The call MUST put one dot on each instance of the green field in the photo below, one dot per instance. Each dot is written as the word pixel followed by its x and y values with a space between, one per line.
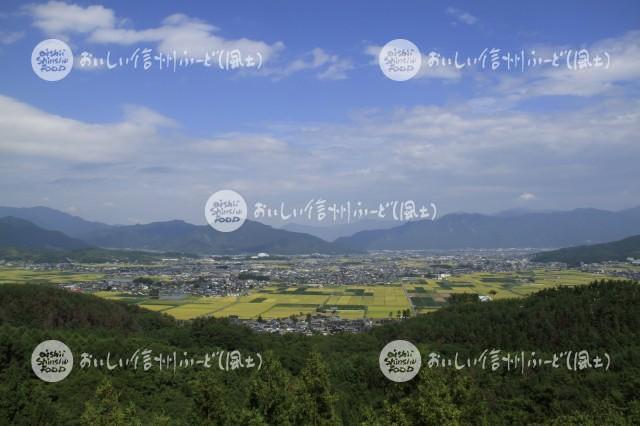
pixel 281 302
pixel 11 275
pixel 375 302
pixel 352 302
pixel 433 294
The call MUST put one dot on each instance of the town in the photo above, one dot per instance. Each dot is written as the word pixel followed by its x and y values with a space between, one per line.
pixel 425 281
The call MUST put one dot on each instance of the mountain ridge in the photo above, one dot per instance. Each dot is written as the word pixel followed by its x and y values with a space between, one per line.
pixel 54 220
pixel 529 230
pixel 20 233
pixel 179 236
pixel 595 253
pixel 543 230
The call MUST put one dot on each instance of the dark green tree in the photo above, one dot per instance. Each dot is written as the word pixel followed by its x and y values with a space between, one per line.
pixel 210 406
pixel 105 409
pixel 24 401
pixel 432 403
pixel 270 392
pixel 315 398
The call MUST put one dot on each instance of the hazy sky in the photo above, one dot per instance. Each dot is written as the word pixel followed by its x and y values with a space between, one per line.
pixel 319 119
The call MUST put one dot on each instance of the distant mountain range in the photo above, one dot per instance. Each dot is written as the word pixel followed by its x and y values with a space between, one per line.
pixel 176 235
pixel 331 232
pixel 20 233
pixel 335 231
pixel 616 250
pixel 453 231
pixel 532 230
pixel 54 220
pixel 21 240
pixel 170 236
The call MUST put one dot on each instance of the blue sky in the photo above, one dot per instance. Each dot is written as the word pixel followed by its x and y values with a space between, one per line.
pixel 319 120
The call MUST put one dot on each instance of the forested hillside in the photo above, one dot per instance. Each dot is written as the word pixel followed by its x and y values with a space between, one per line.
pixel 616 250
pixel 326 379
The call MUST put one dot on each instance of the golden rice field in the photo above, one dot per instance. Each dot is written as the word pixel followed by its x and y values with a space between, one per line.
pixel 375 302
pixel 432 294
pixel 13 275
pixel 350 302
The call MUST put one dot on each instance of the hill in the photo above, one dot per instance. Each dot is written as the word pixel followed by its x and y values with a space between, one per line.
pixel 514 229
pixel 332 378
pixel 47 307
pixel 23 241
pixel 334 231
pixel 54 220
pixel 528 230
pixel 176 235
pixel 20 233
pixel 616 250
pixel 85 255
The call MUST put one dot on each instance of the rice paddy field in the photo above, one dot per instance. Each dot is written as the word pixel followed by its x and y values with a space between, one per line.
pixel 11 275
pixel 355 302
pixel 349 302
pixel 432 294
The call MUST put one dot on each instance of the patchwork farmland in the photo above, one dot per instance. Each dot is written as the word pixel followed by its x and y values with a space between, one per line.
pixel 356 302
pixel 349 302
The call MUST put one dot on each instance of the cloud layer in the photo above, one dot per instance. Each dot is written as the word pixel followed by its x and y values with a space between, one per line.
pixel 452 155
pixel 180 34
pixel 499 145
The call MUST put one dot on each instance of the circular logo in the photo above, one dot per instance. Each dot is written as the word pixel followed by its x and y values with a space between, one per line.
pixel 400 361
pixel 226 210
pixel 52 59
pixel 400 60
pixel 52 361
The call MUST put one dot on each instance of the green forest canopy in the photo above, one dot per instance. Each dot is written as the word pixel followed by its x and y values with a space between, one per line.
pixel 326 379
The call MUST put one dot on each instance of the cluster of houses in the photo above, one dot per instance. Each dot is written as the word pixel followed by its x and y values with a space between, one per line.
pixel 309 325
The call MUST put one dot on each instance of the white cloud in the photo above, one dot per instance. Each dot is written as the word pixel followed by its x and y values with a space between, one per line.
pixel 182 33
pixel 58 18
pixel 624 54
pixel 444 72
pixel 336 70
pixel 545 80
pixel 527 196
pixel 144 116
pixel 328 66
pixel 451 155
pixel 461 16
pixel 28 131
pixel 241 143
pixel 177 32
pixel 10 37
